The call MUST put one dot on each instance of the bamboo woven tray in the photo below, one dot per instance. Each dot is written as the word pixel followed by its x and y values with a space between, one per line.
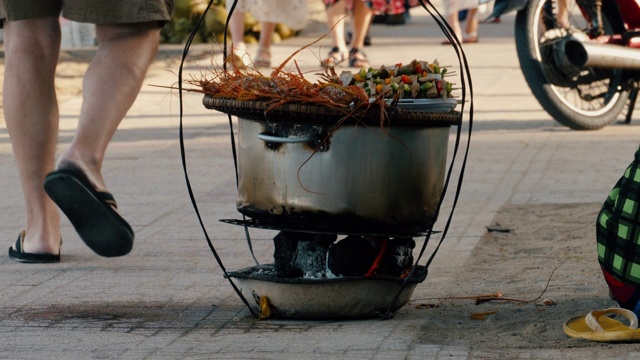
pixel 317 114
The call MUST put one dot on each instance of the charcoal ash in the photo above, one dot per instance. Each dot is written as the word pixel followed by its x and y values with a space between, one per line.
pixel 311 256
pixel 307 255
pixel 399 256
pixel 301 254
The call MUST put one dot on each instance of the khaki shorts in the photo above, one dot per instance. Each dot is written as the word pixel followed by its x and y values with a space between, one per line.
pixel 89 11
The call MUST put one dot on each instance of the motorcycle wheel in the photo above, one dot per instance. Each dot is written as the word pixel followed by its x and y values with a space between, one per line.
pixel 580 98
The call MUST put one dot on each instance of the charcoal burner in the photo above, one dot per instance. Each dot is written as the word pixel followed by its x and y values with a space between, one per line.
pixel 342 297
pixel 347 201
pixel 320 276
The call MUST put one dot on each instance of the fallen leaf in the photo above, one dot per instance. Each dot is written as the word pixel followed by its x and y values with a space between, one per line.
pixel 482 315
pixel 265 308
pixel 427 306
pixel 547 302
pixel 497 228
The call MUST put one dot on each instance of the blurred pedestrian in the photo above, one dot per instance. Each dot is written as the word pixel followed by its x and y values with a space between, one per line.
pixel 268 12
pixel 452 10
pixel 360 14
pixel 392 12
pixel 128 35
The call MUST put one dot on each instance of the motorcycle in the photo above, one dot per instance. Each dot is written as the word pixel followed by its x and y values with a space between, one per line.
pixel 581 58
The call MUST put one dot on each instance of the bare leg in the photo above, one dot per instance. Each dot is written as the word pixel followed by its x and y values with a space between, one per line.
pixel 110 87
pixel 361 20
pixel 263 57
pixel 454 22
pixel 266 34
pixel 236 27
pixel 336 18
pixel 31 115
pixel 471 29
pixel 563 14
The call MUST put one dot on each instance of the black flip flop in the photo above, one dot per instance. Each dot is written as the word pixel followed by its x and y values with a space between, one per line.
pixel 19 255
pixel 91 212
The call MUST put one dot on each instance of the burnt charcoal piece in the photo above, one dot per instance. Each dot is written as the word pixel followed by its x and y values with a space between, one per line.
pixel 311 255
pixel 300 254
pixel 285 245
pixel 398 257
pixel 351 256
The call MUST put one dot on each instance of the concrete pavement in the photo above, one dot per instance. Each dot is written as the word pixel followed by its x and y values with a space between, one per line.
pixel 168 299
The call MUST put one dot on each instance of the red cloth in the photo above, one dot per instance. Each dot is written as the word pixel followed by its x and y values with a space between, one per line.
pixel 621 291
pixel 390 7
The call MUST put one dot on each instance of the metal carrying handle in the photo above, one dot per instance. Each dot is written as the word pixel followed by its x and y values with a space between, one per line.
pixel 286 140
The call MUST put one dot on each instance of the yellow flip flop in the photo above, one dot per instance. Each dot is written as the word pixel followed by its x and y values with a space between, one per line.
pixel 595 326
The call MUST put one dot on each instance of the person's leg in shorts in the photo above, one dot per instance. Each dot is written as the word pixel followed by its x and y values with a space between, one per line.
pixel 31 115
pixel 127 43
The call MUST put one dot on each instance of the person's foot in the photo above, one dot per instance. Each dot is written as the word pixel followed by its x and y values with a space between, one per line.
pixel 358 59
pixel 92 212
pixel 470 40
pixel 235 61
pixel 42 232
pixel 70 161
pixel 18 253
pixel 335 57
pixel 263 58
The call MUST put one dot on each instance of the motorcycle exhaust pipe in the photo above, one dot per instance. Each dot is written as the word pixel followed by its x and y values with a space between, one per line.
pixel 588 54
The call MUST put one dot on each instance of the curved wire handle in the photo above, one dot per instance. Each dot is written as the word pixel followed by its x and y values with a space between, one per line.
pixel 183 153
pixel 464 70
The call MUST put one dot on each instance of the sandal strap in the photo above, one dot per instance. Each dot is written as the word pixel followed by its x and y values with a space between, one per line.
pixel 107 197
pixel 592 318
pixel 357 58
pixel 264 50
pixel 334 57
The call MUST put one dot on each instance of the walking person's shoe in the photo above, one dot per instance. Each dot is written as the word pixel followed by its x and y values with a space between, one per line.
pixel 263 58
pixel 335 57
pixel 17 253
pixel 358 59
pixel 91 212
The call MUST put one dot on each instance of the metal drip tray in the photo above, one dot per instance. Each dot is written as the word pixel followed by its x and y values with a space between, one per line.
pixel 325 298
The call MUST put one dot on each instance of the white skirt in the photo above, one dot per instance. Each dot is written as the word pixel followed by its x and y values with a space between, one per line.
pixel 292 13
pixel 453 6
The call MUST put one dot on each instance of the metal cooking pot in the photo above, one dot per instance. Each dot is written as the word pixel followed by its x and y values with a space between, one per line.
pixel 347 179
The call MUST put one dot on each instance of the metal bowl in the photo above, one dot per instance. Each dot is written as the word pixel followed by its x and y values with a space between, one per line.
pixel 326 298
